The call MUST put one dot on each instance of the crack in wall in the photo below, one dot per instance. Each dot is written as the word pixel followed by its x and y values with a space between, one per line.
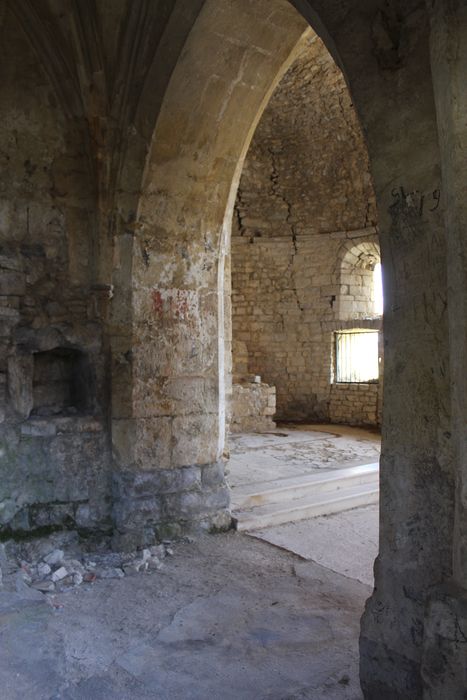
pixel 239 205
pixel 276 192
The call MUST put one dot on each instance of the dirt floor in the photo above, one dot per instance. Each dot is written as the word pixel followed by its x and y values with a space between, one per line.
pixel 269 616
pixel 227 617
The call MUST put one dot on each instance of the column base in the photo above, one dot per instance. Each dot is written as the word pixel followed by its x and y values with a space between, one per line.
pixel 150 506
pixel 387 675
pixel 444 663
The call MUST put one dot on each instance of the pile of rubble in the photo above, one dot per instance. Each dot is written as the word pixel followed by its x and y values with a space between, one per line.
pixel 46 566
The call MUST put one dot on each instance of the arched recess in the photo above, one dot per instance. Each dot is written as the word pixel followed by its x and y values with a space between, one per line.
pixel 354 270
pixel 171 472
pixel 357 311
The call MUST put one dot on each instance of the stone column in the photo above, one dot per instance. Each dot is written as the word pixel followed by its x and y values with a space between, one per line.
pixel 168 432
pixel 444 667
pixel 417 484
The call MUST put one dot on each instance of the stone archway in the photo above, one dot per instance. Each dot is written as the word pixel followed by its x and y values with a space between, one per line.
pixel 194 75
pixel 222 80
pixel 225 74
pixel 305 194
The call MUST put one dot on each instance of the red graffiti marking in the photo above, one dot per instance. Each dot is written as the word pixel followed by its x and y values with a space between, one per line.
pixel 173 304
pixel 180 306
pixel 158 303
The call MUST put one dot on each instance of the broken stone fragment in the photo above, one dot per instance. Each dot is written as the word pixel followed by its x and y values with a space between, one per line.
pixel 44 586
pixel 158 551
pixel 154 564
pixel 25 573
pixel 55 557
pixel 105 561
pixel 136 566
pixel 74 566
pixel 89 577
pixel 130 568
pixel 43 570
pixel 111 572
pixel 24 590
pixel 77 578
pixel 59 574
pixel 66 582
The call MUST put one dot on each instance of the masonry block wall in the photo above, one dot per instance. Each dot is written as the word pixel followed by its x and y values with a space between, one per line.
pixel 54 454
pixel 305 243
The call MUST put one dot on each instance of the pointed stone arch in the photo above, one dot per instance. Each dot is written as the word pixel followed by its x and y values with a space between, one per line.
pixel 216 92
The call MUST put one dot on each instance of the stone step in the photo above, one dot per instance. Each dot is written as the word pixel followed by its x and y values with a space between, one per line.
pixel 309 506
pixel 249 496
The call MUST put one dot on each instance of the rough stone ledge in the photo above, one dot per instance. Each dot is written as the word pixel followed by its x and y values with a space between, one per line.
pixel 50 426
pixel 36 519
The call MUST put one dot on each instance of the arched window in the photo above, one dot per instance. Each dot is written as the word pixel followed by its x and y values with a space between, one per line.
pixel 359 279
pixel 359 314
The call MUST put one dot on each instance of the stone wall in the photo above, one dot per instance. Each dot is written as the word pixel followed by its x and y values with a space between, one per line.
pixel 305 241
pixel 290 332
pixel 355 404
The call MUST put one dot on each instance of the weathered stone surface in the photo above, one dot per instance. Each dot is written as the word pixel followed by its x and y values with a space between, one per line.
pixel 146 503
pixel 54 557
pixel 444 662
pixel 253 406
pixel 20 372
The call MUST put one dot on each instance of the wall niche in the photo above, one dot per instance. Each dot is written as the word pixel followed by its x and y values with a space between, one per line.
pixel 62 383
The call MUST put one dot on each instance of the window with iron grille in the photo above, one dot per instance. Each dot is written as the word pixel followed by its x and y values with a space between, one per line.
pixel 357 356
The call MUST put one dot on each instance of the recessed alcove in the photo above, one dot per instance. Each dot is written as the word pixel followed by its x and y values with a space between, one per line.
pixel 61 383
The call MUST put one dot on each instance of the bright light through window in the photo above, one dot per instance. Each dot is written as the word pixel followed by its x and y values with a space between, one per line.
pixel 357 356
pixel 378 290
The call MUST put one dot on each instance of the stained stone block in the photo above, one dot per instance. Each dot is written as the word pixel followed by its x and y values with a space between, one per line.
pixel 147 503
pixel 8 509
pixel 20 370
pixel 12 283
pixel 167 481
pixel 213 474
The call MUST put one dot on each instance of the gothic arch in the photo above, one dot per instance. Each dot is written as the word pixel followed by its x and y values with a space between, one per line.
pixel 233 56
pixel 179 96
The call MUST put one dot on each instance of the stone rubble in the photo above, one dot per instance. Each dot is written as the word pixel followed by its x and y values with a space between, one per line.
pixel 43 567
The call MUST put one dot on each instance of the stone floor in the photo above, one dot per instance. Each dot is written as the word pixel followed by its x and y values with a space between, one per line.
pixel 346 542
pixel 228 617
pixel 296 450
